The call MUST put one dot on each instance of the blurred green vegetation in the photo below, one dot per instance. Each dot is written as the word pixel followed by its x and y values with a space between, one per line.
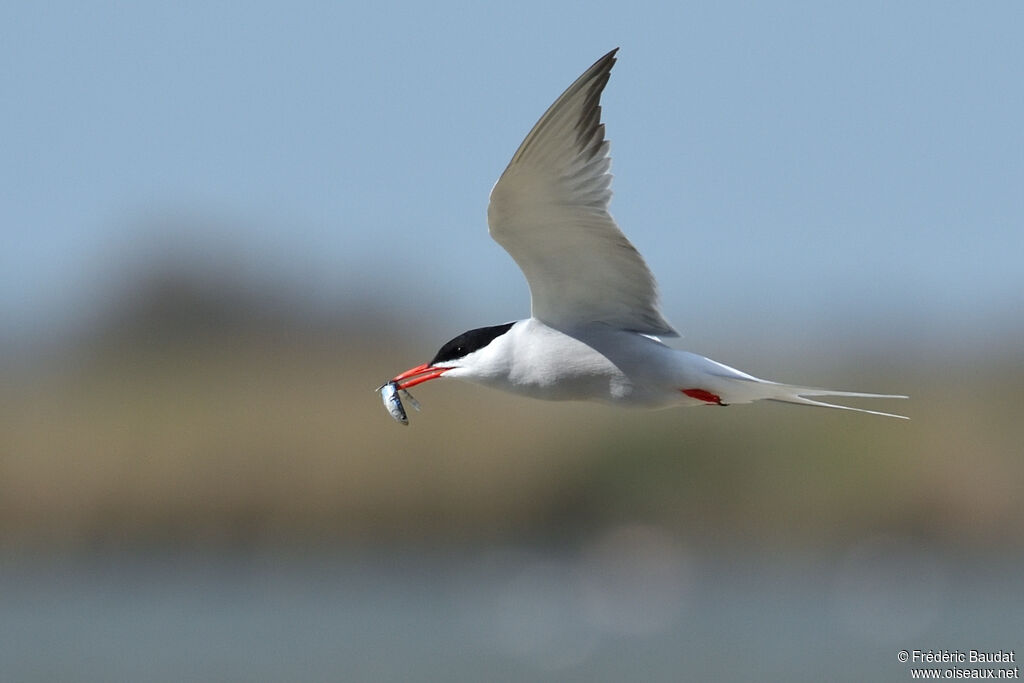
pixel 195 417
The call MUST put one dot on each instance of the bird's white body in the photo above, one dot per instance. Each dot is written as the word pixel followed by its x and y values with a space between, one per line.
pixel 594 362
pixel 596 325
pixel 539 361
pixel 597 362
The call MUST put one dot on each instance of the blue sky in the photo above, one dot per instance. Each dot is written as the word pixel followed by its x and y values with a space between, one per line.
pixel 780 165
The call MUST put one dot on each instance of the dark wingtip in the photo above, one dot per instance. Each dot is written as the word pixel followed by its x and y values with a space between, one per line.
pixel 604 64
pixel 609 57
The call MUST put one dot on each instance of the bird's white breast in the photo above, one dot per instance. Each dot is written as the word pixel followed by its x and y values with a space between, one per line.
pixel 599 363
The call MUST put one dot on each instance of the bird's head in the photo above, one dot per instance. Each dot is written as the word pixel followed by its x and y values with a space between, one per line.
pixel 470 355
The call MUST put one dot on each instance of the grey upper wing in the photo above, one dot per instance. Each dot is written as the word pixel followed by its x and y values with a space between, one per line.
pixel 549 210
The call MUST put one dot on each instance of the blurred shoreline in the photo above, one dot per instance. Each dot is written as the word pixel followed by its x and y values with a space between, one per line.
pixel 200 412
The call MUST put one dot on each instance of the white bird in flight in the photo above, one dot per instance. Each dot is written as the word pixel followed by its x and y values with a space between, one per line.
pixel 595 327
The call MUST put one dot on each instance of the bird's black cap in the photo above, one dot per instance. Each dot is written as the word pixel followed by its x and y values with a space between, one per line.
pixel 468 342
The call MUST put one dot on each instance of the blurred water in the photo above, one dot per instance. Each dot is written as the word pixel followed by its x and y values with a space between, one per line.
pixel 632 605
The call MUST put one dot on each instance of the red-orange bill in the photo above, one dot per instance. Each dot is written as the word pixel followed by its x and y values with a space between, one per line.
pixel 418 375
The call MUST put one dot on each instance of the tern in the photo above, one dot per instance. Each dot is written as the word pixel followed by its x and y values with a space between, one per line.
pixel 595 327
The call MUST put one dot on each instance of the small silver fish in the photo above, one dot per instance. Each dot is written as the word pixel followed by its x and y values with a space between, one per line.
pixel 389 393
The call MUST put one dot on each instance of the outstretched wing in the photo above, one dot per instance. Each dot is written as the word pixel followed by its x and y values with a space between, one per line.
pixel 549 210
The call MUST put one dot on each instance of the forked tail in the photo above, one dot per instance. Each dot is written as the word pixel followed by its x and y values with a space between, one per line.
pixel 788 393
pixel 713 382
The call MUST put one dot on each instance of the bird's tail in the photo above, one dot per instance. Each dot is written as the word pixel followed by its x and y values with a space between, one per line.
pixel 788 393
pixel 719 383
